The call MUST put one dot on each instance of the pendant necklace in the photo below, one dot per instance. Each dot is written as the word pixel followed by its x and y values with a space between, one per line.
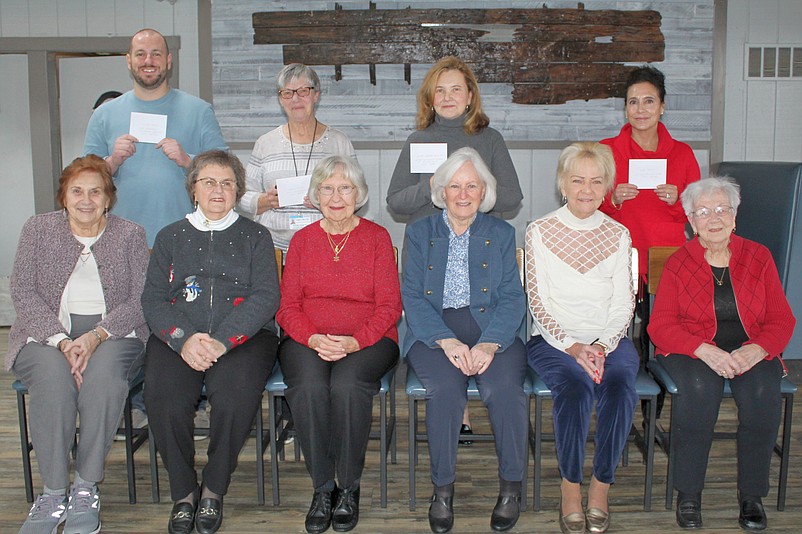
pixel 720 281
pixel 338 247
pixel 311 148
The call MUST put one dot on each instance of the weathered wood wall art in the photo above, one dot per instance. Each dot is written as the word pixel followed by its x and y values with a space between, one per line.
pixel 550 56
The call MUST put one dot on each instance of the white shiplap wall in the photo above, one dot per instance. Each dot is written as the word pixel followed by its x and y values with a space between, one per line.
pixel 762 119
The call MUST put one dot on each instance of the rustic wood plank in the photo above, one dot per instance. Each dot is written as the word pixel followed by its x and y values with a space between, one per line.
pixel 475 53
pixel 454 16
pixel 559 93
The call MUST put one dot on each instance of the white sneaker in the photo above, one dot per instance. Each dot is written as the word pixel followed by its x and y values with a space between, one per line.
pixel 46 514
pixel 83 511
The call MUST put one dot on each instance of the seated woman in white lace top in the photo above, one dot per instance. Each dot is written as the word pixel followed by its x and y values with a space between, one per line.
pixel 580 296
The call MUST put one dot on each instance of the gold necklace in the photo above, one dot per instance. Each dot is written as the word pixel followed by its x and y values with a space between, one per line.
pixel 720 281
pixel 338 247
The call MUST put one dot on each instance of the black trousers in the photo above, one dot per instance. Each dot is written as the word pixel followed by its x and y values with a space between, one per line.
pixel 757 396
pixel 332 406
pixel 234 387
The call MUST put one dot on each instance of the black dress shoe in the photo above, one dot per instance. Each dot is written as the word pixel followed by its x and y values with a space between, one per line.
pixel 689 513
pixel 346 513
pixel 465 432
pixel 182 518
pixel 209 516
pixel 506 512
pixel 752 516
pixel 441 514
pixel 318 518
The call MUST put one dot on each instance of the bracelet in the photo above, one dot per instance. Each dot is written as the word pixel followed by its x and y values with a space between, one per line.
pixel 97 335
pixel 602 345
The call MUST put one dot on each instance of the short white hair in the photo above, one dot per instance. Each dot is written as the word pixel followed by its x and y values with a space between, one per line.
pixel 446 171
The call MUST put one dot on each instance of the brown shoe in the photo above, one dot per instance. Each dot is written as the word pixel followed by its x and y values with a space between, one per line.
pixel 598 521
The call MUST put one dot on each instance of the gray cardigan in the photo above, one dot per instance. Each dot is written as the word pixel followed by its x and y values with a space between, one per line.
pixel 223 283
pixel 410 194
pixel 46 257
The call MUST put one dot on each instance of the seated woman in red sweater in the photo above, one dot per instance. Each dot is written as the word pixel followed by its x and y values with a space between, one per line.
pixel 720 312
pixel 340 301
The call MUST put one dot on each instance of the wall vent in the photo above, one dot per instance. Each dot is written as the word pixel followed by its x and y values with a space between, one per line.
pixel 773 62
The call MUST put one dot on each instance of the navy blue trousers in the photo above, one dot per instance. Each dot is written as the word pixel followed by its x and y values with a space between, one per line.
pixel 501 389
pixel 573 393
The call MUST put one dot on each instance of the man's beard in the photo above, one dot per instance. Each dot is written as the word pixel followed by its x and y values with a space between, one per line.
pixel 157 81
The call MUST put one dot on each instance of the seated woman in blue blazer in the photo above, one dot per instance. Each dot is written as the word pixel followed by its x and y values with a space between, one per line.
pixel 464 302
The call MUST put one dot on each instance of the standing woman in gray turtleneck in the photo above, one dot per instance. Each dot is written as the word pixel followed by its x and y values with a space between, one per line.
pixel 450 111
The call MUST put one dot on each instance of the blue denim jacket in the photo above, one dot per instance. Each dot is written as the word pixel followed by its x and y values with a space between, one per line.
pixel 498 303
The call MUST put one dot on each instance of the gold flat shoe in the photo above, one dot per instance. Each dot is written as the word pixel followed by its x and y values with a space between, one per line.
pixel 598 521
pixel 573 523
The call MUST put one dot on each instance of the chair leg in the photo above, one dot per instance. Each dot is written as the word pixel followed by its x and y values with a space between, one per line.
pixel 25 445
pixel 154 467
pixel 274 438
pixel 650 444
pixel 785 452
pixel 413 452
pixel 128 433
pixel 670 466
pixel 538 453
pixel 260 456
pixel 393 440
pixel 383 431
pixel 524 485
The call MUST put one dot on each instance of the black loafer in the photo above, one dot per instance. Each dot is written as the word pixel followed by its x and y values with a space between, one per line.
pixel 465 432
pixel 506 512
pixel 209 516
pixel 318 518
pixel 441 514
pixel 346 513
pixel 182 518
pixel 689 514
pixel 752 516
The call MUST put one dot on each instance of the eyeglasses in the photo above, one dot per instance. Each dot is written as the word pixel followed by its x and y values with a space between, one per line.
pixel 342 190
pixel 718 211
pixel 286 94
pixel 211 183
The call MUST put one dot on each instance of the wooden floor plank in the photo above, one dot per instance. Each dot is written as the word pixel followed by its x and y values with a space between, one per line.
pixel 476 487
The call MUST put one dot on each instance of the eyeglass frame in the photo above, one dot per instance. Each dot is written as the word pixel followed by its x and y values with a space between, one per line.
pixel 292 92
pixel 210 184
pixel 328 190
pixel 718 211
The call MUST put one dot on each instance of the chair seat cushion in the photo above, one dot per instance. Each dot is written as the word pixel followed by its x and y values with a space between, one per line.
pixel 656 367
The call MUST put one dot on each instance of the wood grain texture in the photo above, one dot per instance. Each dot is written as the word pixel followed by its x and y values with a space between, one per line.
pixel 498 44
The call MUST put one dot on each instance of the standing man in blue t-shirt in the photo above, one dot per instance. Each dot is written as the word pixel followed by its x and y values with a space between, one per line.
pixel 174 126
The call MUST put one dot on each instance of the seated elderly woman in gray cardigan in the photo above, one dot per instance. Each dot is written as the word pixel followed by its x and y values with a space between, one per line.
pixel 210 298
pixel 77 339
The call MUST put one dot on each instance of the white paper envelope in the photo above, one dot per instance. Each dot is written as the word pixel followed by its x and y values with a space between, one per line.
pixel 424 158
pixel 291 191
pixel 647 173
pixel 148 127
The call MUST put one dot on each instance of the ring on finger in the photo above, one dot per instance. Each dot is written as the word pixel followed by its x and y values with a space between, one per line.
pixel 456 357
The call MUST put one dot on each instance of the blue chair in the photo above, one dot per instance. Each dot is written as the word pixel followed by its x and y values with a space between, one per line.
pixel 647 390
pixel 782 449
pixel 281 427
pixel 134 437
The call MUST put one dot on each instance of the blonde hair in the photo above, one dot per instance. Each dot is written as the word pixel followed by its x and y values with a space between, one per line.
pixel 475 119
pixel 598 153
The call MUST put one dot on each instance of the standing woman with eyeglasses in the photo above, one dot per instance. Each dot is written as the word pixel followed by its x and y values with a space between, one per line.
pixel 340 301
pixel 210 297
pixel 292 149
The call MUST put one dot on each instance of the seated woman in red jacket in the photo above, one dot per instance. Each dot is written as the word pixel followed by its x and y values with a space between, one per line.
pixel 340 301
pixel 720 312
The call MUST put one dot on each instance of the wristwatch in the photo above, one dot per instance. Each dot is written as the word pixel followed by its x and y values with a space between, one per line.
pixel 603 347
